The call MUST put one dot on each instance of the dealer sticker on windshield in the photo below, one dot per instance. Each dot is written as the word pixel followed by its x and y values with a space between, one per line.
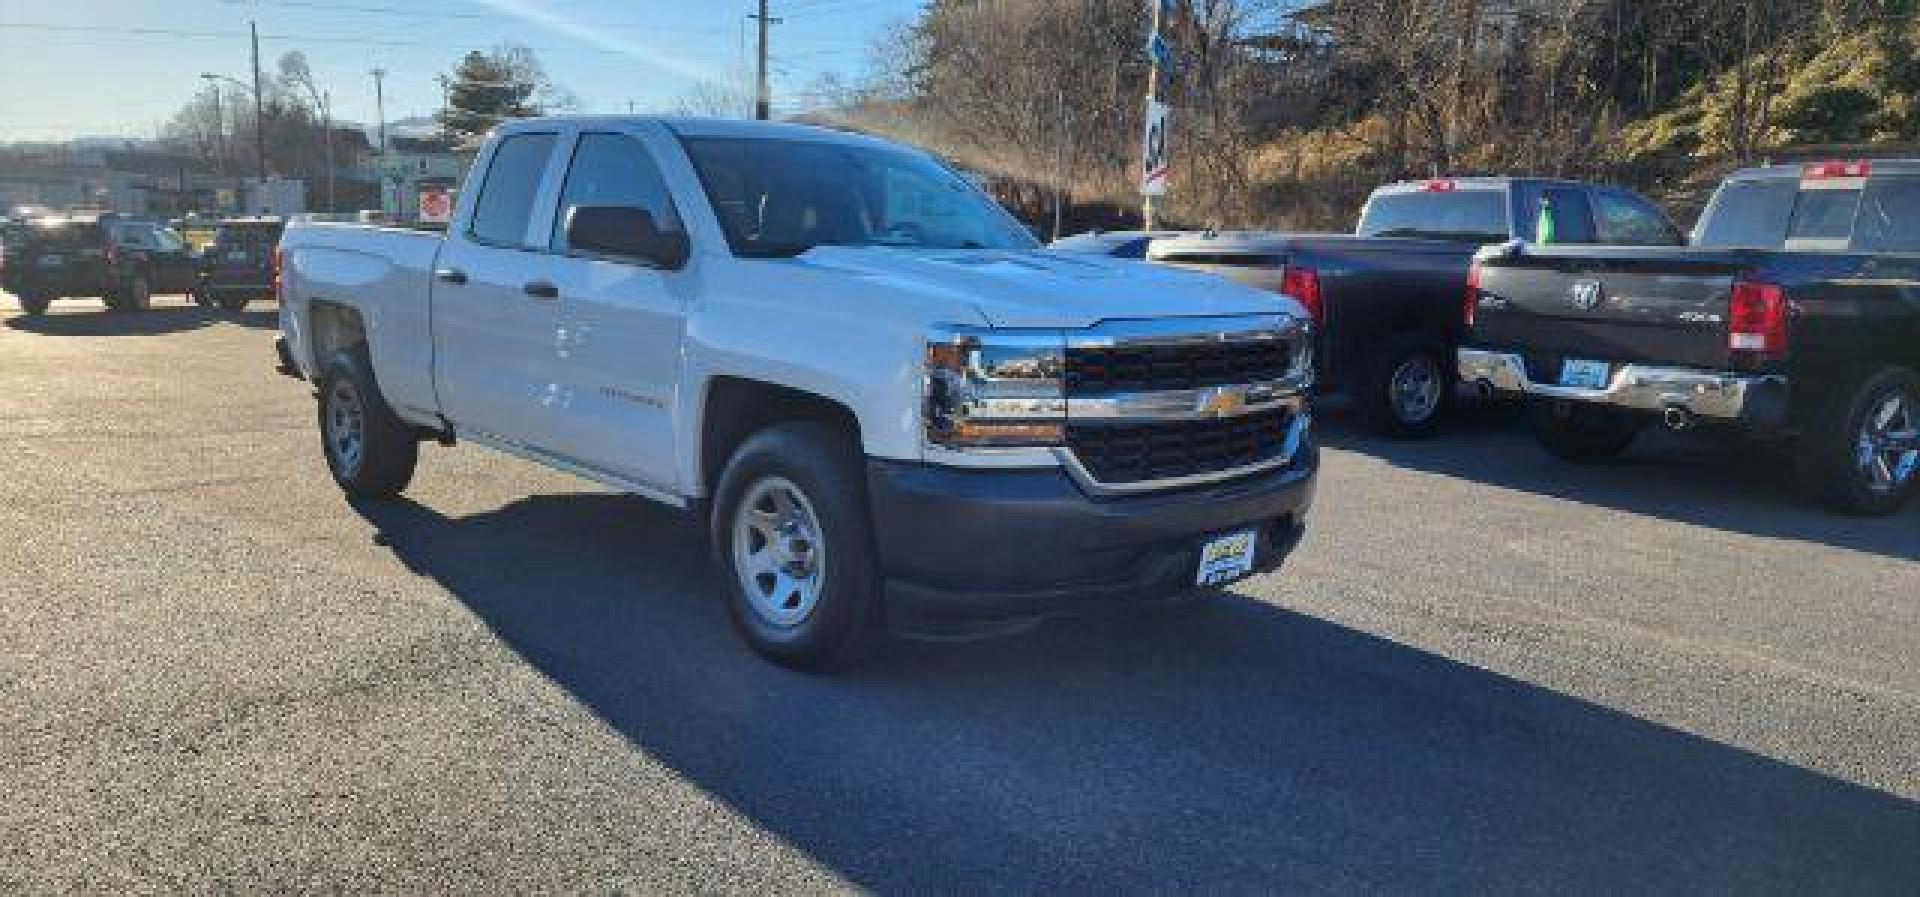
pixel 1226 558
pixel 1588 374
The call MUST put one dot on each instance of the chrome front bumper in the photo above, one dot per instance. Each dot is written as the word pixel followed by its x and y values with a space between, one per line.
pixel 1753 399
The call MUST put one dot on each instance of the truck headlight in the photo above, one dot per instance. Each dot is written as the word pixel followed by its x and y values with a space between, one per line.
pixel 989 388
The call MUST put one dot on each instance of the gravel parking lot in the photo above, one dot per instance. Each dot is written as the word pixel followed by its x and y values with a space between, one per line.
pixel 1485 671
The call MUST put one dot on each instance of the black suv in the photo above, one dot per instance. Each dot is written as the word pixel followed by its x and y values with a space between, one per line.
pixel 237 267
pixel 120 260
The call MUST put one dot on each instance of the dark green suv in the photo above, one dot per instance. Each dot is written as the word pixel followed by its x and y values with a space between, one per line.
pixel 120 260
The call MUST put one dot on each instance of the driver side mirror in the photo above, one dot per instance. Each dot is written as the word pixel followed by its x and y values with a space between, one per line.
pixel 625 232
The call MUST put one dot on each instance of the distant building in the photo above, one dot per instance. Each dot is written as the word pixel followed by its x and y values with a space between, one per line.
pixel 137 181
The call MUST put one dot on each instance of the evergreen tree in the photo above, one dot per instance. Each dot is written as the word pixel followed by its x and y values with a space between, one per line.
pixel 491 87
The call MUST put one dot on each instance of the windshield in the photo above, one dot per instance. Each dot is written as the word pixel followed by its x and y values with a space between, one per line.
pixel 1469 216
pixel 783 197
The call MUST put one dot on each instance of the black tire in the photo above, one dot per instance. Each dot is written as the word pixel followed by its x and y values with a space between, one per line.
pixel 136 295
pixel 35 304
pixel 374 458
pixel 1830 462
pixel 845 618
pixel 1407 387
pixel 199 297
pixel 1585 434
pixel 233 303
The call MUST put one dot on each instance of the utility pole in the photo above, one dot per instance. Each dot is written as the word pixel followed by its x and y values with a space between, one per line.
pixel 326 128
pixel 259 118
pixel 227 155
pixel 219 126
pixel 1059 160
pixel 1149 211
pixel 380 105
pixel 763 95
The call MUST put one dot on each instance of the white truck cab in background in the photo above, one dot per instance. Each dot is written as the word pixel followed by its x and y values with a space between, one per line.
pixel 891 408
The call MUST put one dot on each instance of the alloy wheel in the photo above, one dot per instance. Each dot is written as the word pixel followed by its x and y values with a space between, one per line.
pixel 1887 448
pixel 1415 388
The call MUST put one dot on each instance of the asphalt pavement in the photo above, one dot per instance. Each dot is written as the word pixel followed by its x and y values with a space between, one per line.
pixel 1485 671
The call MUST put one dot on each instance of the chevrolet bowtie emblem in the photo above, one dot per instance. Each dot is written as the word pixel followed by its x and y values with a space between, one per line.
pixel 1222 401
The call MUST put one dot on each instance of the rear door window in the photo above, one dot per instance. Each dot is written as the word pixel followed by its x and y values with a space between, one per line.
pixel 1889 217
pixel 1750 214
pixel 505 208
pixel 1474 216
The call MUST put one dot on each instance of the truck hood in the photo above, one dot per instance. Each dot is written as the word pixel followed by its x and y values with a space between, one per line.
pixel 1041 289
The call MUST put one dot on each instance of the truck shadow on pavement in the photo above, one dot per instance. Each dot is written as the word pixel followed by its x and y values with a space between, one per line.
pixel 1227 746
pixel 1742 489
pixel 79 320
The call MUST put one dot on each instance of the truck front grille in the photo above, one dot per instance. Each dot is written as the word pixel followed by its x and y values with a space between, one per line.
pixel 1149 367
pixel 1122 453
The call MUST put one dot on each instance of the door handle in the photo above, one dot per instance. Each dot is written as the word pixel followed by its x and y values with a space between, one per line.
pixel 541 289
pixel 453 276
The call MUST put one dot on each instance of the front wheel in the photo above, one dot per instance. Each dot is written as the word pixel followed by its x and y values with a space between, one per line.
pixel 790 528
pixel 369 450
pixel 1408 387
pixel 233 303
pixel 35 304
pixel 1585 434
pixel 1862 455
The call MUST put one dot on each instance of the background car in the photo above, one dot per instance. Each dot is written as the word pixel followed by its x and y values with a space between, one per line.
pixel 237 267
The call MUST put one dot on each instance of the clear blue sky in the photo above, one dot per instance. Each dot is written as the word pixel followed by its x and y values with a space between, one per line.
pixel 121 67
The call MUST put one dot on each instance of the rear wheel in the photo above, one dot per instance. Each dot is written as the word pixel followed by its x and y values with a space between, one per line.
pixel 370 451
pixel 1862 455
pixel 137 295
pixel 1407 388
pixel 790 528
pixel 1585 434
pixel 35 304
pixel 233 303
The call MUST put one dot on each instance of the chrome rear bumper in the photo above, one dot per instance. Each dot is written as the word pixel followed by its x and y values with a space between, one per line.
pixel 1754 399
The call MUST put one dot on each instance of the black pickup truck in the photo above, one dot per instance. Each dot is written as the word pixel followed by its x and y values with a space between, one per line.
pixel 1386 299
pixel 1795 315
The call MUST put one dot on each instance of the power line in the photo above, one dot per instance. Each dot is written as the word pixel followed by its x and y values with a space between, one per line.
pixel 439 15
pixel 150 31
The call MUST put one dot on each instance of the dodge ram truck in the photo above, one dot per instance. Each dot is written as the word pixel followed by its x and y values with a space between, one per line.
pixel 1386 298
pixel 1794 316
pixel 891 409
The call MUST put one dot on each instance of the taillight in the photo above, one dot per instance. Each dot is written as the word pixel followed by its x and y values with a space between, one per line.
pixel 1441 185
pixel 1757 319
pixel 1303 284
pixel 1820 171
pixel 1472 303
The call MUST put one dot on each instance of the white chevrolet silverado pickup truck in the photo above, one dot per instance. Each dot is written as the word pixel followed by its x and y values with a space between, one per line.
pixel 891 409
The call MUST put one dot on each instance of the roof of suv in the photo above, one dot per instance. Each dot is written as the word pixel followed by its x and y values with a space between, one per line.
pixel 1795 172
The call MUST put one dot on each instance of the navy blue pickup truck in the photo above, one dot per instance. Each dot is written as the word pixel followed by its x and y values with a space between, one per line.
pixel 1793 315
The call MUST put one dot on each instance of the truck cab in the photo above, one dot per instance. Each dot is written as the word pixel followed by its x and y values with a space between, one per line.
pixel 891 410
